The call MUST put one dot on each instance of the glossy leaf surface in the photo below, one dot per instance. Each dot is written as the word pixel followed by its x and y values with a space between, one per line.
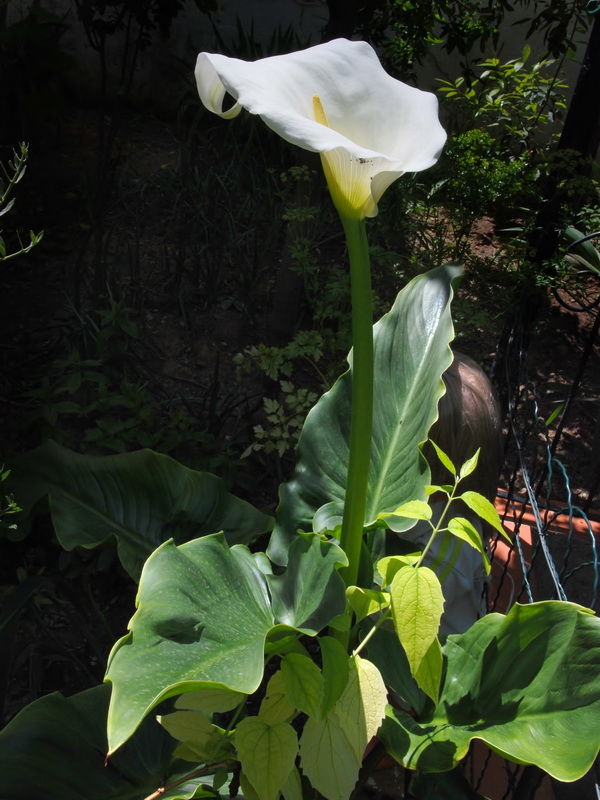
pixel 204 613
pixel 56 748
pixel 411 351
pixel 527 684
pixel 141 498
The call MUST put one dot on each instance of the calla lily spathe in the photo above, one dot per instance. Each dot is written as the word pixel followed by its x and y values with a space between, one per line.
pixel 337 100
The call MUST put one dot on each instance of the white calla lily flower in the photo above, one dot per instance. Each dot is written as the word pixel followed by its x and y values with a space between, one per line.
pixel 337 100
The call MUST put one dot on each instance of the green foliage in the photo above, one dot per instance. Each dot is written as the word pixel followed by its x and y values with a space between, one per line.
pixel 407 30
pixel 10 176
pixel 284 421
pixel 479 179
pixel 8 506
pixel 258 670
pixel 510 681
pixel 513 100
pixel 99 400
pixel 284 415
pixel 559 21
pixel 240 608
pixel 147 498
pixel 71 726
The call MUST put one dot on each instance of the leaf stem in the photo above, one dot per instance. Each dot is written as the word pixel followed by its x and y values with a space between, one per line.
pixel 361 423
pixel 197 773
pixel 438 528
pixel 385 615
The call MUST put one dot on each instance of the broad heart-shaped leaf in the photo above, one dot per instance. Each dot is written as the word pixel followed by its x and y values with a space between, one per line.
pixel 303 683
pixel 411 351
pixel 332 748
pixel 361 707
pixel 142 498
pixel 204 613
pixel 327 757
pixel 335 671
pixel 527 684
pixel 201 741
pixel 267 754
pixel 276 706
pixel 56 748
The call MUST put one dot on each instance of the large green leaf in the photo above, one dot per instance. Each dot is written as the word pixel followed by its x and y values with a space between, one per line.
pixel 141 498
pixel 204 613
pixel 528 684
pixel 56 748
pixel 411 351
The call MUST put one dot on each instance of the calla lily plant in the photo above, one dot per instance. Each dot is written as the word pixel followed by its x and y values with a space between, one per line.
pixel 336 99
pixel 212 614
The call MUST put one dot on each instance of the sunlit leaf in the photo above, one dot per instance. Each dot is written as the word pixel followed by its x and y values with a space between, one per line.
pixel 267 754
pixel 465 530
pixel 527 684
pixel 411 352
pixel 417 606
pixel 388 567
pixel 484 509
pixel 361 707
pixel 469 466
pixel 275 706
pixel 445 459
pixel 303 683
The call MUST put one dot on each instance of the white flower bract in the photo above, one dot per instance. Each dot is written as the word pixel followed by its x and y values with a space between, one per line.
pixel 337 100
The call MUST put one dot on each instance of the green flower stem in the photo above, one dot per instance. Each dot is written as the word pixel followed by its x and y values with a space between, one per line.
pixel 361 423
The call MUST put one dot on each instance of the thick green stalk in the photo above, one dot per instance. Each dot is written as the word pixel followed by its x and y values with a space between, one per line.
pixel 361 424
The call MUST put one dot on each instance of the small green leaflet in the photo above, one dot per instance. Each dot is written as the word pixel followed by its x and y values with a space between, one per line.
pixel 484 509
pixel 469 466
pixel 444 459
pixel 465 530
pixel 417 605
pixel 414 509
